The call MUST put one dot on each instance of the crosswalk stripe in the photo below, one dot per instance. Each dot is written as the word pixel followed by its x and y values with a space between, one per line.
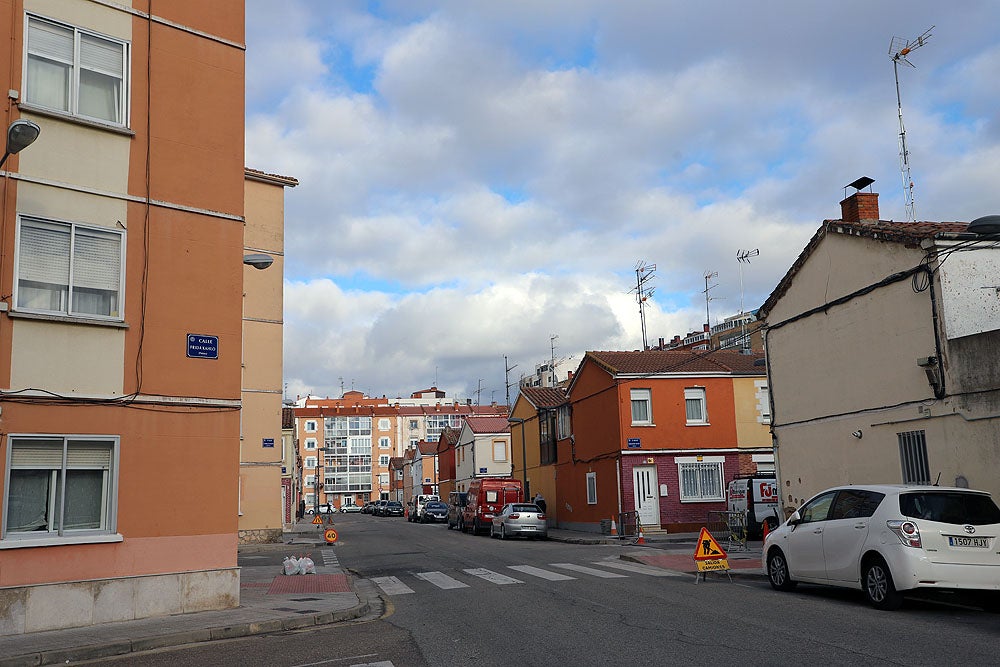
pixel 639 568
pixel 539 572
pixel 391 585
pixel 583 569
pixel 440 579
pixel 491 576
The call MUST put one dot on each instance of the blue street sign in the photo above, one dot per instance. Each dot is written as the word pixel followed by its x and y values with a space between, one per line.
pixel 482 471
pixel 634 443
pixel 200 346
pixel 267 442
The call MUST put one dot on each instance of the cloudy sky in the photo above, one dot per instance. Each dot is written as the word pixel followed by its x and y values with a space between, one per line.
pixel 478 177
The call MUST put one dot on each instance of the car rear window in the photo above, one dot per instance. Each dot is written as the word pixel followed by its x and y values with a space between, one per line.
pixel 395 504
pixel 436 506
pixel 950 507
pixel 525 508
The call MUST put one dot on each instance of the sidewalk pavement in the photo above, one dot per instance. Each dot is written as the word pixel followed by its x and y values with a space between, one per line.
pixel 273 602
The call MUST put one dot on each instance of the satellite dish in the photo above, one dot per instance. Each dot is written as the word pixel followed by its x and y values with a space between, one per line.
pixel 985 226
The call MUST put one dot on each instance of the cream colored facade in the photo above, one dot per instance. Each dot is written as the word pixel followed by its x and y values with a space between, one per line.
pixel 263 498
pixel 847 331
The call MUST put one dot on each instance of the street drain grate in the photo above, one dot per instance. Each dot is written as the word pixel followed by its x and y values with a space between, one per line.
pixel 306 599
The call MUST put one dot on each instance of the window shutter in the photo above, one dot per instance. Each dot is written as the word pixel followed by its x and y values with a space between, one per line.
pixel 97 260
pixel 36 453
pixel 44 253
pixel 50 41
pixel 101 55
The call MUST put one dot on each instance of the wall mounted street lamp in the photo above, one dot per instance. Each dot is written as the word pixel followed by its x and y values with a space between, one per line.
pixel 21 134
pixel 258 260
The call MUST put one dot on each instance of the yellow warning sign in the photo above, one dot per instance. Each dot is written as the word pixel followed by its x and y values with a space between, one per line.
pixel 713 565
pixel 317 520
pixel 707 548
pixel 330 535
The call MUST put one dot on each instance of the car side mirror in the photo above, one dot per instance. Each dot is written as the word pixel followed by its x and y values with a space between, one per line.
pixel 795 519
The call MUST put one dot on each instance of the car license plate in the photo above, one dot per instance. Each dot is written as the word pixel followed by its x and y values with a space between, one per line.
pixel 976 542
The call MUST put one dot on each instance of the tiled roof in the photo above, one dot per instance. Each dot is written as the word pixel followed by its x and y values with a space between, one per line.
pixel 259 175
pixel 907 233
pixel 396 462
pixel 427 447
pixel 287 418
pixel 544 397
pixel 653 362
pixel 488 424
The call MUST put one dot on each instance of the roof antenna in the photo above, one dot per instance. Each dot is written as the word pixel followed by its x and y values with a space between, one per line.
pixel 898 50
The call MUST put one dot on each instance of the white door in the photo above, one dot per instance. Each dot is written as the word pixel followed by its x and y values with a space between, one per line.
pixel 644 488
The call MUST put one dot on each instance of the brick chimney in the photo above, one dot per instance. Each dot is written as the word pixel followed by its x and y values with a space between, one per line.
pixel 860 207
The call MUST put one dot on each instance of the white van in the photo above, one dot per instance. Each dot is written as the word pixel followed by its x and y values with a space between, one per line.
pixel 416 506
pixel 758 497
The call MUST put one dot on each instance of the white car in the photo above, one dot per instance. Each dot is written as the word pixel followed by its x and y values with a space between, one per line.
pixel 889 539
pixel 350 508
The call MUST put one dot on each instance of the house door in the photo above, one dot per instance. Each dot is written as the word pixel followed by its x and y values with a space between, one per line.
pixel 647 504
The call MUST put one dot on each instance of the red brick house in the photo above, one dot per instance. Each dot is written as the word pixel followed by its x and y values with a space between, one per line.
pixel 659 433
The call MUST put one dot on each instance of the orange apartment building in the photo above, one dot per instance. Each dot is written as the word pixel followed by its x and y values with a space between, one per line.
pixel 121 252
pixel 347 443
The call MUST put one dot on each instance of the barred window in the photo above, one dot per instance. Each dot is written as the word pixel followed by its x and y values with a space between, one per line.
pixel 700 481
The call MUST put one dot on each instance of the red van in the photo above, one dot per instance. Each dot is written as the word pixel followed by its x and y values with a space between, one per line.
pixel 486 497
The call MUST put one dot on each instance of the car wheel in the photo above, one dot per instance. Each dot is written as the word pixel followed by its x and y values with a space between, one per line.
pixel 503 532
pixel 877 584
pixel 777 571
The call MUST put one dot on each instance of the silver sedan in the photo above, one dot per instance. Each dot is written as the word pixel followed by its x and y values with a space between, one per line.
pixel 519 519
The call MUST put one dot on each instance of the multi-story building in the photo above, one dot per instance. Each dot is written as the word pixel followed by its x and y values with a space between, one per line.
pixel 347 444
pixel 264 502
pixel 483 450
pixel 121 339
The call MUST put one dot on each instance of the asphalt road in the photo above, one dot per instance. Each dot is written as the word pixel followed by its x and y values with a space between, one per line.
pixel 453 599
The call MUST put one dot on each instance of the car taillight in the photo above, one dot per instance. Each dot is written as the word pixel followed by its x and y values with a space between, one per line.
pixel 906 531
pixel 541 516
pixel 514 516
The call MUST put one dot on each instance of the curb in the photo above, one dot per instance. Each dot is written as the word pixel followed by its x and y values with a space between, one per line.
pixel 123 647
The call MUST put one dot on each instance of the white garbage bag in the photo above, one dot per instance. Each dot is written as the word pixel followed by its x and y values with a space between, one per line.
pixel 290 565
pixel 306 565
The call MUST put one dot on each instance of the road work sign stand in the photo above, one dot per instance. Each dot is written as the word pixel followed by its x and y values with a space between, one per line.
pixel 709 557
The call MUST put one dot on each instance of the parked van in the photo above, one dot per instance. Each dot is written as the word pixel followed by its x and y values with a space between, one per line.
pixel 486 497
pixel 456 503
pixel 416 505
pixel 758 497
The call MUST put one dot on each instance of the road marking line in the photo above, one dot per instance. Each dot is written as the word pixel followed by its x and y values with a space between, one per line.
pixel 589 570
pixel 440 579
pixel 539 572
pixel 636 567
pixel 391 585
pixel 491 576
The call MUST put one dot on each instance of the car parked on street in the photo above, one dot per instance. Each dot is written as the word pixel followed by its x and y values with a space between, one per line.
pixel 456 503
pixel 392 508
pixel 379 507
pixel 416 505
pixel 486 496
pixel 367 508
pixel 435 511
pixel 350 508
pixel 888 540
pixel 522 519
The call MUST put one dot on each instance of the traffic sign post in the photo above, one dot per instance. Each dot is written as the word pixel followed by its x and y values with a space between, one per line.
pixel 317 520
pixel 709 556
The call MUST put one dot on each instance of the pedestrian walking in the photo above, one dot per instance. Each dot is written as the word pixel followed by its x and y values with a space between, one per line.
pixel 540 501
pixel 302 509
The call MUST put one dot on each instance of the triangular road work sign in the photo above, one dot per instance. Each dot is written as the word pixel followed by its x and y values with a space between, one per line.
pixel 318 521
pixel 707 548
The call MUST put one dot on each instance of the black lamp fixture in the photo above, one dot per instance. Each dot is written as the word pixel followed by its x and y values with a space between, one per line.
pixel 258 260
pixel 986 226
pixel 21 134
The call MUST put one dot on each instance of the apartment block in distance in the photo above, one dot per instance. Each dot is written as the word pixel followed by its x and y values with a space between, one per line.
pixel 121 321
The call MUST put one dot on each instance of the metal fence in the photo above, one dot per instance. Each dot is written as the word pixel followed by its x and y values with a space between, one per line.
pixel 628 525
pixel 729 529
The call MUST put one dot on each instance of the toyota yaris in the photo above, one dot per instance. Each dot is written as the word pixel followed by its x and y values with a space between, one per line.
pixel 889 539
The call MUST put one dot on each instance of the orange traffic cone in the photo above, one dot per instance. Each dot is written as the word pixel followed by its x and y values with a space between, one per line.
pixel 614 528
pixel 642 538
pixel 765 531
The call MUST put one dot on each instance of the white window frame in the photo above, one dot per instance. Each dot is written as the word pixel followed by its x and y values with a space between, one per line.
pixel 383 443
pixel 383 460
pixel 311 426
pixel 563 424
pixel 591 488
pixel 383 424
pixel 59 454
pixel 763 401
pixel 700 467
pixel 76 261
pixel 311 462
pixel 701 396
pixel 310 443
pixel 499 447
pixel 641 397
pixel 310 481
pixel 74 57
